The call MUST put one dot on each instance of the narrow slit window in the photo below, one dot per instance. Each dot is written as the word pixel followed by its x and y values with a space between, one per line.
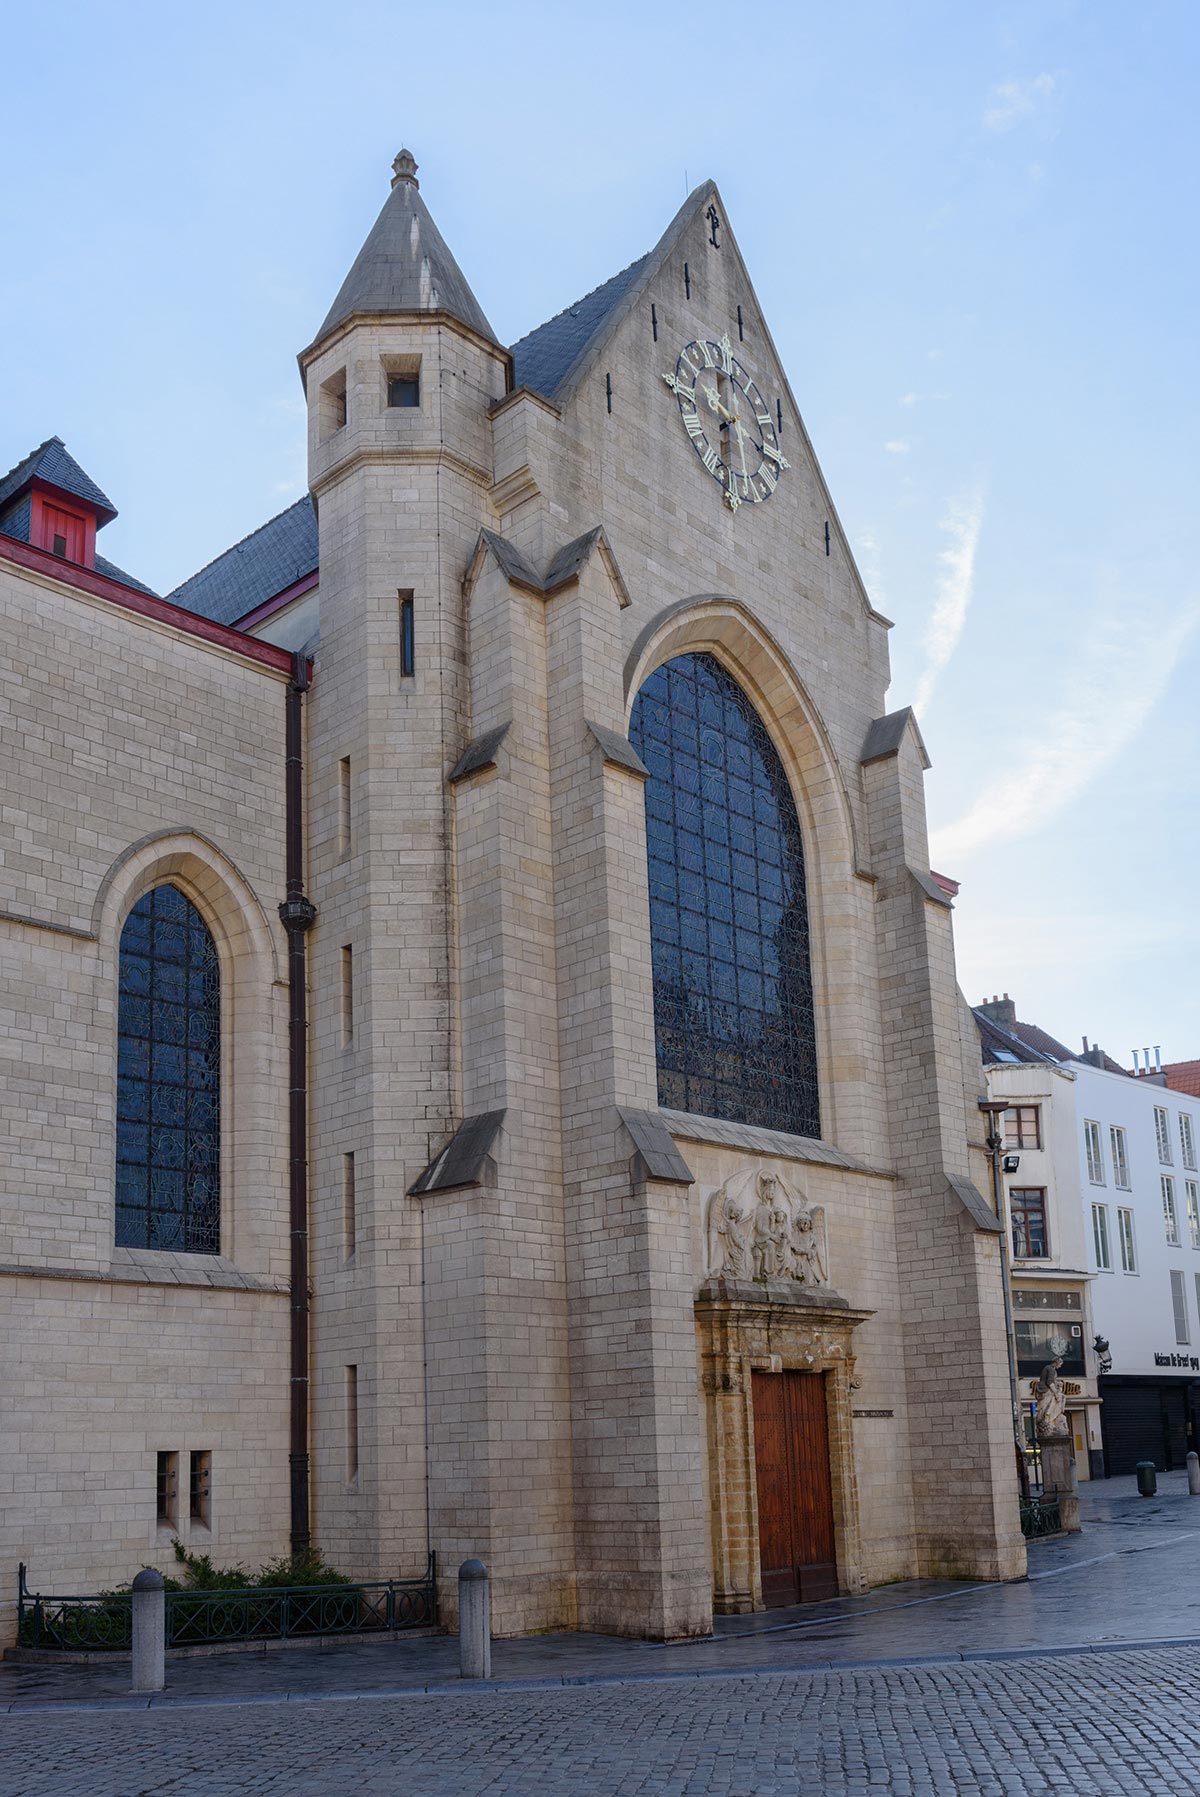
pixel 408 645
pixel 351 1425
pixel 1170 1218
pixel 167 1490
pixel 331 405
pixel 344 807
pixel 404 390
pixel 349 1209
pixel 347 996
pixel 200 1487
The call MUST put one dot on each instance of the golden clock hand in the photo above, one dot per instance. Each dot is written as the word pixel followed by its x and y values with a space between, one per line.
pixel 714 404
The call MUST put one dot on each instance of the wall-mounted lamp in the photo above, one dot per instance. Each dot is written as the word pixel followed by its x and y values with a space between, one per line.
pixel 1010 1163
pixel 1103 1354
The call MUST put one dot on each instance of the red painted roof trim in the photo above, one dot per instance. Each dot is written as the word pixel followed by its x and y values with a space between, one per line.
pixel 101 587
pixel 269 607
pixel 946 883
pixel 72 502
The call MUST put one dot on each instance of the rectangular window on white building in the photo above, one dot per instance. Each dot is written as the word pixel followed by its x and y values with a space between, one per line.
pixel 1100 1237
pixel 1179 1305
pixel 1162 1130
pixel 1027 1210
pixel 1095 1153
pixel 1023 1126
pixel 1187 1139
pixel 1125 1232
pixel 1169 1217
pixel 1191 1197
pixel 1120 1157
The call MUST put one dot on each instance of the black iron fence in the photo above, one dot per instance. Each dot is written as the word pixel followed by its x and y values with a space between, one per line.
pixel 1040 1516
pixel 104 1621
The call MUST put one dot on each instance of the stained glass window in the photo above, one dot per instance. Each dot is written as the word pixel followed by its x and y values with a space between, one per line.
pixel 733 1001
pixel 168 1078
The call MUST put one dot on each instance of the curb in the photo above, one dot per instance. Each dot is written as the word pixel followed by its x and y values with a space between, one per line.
pixel 568 1681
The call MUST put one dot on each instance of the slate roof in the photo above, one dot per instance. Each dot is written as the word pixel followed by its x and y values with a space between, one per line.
pixel 998 1044
pixel 273 557
pixel 544 359
pixel 112 572
pixel 1025 1042
pixel 51 461
pixel 405 266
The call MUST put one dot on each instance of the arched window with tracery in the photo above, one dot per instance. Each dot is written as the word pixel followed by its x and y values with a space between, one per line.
pixel 733 1001
pixel 168 1078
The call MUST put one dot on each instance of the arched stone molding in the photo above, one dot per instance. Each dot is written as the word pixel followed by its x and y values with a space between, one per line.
pixel 724 628
pixel 253 1037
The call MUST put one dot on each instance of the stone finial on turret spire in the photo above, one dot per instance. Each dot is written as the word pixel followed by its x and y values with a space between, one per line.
pixel 405 169
pixel 405 266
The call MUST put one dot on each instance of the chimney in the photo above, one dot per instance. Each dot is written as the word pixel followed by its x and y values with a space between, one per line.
pixel 1002 1011
pixel 1136 1068
pixel 1157 1059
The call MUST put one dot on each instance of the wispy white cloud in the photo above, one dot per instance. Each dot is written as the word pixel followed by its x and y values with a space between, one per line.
pixel 898 446
pixel 1012 101
pixel 908 399
pixel 961 524
pixel 1124 669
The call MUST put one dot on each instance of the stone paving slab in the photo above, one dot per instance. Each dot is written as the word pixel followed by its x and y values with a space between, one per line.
pixel 1132 1576
pixel 1097 1725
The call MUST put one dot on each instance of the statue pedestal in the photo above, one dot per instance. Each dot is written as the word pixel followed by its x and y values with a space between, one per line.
pixel 1059 1480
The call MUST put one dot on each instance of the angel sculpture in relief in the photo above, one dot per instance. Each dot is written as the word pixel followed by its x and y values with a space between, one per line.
pixel 759 1228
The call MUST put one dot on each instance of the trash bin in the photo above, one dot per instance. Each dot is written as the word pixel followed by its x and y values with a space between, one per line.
pixel 1147 1478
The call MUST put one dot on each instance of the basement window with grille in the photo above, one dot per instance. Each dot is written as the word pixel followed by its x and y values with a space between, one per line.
pixel 167 1490
pixel 200 1488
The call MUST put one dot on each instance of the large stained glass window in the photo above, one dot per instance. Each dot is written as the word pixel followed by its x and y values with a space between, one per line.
pixel 733 1002
pixel 168 1078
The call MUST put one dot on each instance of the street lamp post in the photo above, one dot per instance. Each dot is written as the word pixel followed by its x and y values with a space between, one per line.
pixel 993 1109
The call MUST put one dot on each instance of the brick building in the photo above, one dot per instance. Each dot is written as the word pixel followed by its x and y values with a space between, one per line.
pixel 485 1068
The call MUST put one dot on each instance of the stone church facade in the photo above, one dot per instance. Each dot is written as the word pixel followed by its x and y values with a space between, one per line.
pixel 484 1067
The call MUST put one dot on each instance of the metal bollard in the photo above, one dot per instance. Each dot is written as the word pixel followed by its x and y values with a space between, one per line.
pixel 149 1631
pixel 1147 1478
pixel 1193 1466
pixel 474 1621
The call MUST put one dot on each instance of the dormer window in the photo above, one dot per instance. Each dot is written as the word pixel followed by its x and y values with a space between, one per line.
pixel 404 390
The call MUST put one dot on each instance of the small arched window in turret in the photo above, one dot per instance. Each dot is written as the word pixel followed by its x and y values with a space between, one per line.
pixel 735 1033
pixel 168 1078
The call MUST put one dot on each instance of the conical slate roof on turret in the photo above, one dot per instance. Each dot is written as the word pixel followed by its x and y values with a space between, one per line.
pixel 405 266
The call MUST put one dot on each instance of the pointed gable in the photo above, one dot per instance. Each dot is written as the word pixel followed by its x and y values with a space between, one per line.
pixel 405 265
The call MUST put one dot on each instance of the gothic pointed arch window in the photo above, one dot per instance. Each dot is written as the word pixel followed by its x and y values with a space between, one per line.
pixel 168 1078
pixel 735 1034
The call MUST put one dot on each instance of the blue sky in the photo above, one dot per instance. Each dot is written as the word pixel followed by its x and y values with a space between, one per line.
pixel 972 229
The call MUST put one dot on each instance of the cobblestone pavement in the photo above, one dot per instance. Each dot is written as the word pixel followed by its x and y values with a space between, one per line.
pixel 1092 1725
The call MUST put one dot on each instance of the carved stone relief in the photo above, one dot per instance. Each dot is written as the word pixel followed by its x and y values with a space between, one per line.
pixel 759 1228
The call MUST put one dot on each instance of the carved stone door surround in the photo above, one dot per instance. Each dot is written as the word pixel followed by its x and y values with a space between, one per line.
pixel 772 1325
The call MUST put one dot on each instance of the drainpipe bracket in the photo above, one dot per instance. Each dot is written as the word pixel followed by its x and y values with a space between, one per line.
pixel 298 914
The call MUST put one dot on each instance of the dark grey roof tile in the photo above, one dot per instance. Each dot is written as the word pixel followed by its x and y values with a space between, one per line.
pixel 544 359
pixel 270 559
pixel 479 753
pixel 51 461
pixel 461 1161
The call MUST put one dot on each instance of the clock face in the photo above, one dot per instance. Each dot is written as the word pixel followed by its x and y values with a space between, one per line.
pixel 731 425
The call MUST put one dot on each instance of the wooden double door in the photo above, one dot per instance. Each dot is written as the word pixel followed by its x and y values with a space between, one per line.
pixel 795 1496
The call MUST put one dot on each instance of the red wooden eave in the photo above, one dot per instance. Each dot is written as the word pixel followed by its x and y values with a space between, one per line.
pixel 101 587
pixel 269 607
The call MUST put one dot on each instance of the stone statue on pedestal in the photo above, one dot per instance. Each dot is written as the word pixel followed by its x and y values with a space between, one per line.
pixel 1051 1405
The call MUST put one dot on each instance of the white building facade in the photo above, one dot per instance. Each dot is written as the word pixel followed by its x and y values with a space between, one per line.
pixel 1103 1213
pixel 1141 1198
